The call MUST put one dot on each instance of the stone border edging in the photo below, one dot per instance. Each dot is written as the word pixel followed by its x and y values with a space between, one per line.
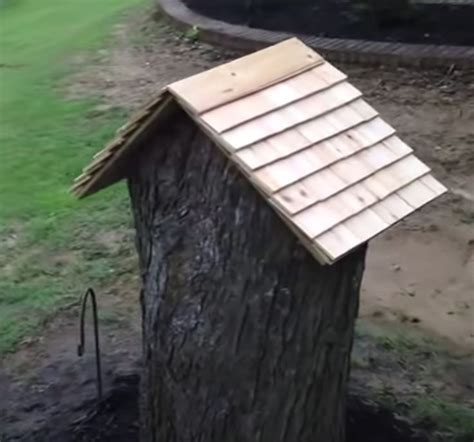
pixel 243 38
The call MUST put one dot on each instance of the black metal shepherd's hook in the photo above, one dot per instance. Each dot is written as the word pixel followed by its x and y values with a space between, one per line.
pixel 81 347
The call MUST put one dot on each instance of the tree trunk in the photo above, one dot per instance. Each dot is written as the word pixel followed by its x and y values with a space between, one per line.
pixel 246 337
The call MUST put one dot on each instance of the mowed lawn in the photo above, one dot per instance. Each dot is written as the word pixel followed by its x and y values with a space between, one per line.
pixel 48 247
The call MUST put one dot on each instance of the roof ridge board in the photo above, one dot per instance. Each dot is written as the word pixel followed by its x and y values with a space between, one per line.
pixel 377 200
pixel 246 94
pixel 282 106
pixel 266 85
pixel 128 142
pixel 301 55
pixel 311 69
pixel 307 120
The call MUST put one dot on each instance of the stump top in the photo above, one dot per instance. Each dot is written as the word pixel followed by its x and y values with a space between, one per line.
pixel 302 135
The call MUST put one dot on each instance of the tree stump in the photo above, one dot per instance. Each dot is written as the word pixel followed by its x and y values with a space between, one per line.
pixel 246 338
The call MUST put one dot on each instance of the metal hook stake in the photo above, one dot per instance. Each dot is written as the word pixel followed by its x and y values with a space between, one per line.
pixel 81 347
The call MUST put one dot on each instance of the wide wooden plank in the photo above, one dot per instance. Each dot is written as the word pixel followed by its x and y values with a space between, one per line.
pixel 273 97
pixel 241 77
pixel 288 143
pixel 295 114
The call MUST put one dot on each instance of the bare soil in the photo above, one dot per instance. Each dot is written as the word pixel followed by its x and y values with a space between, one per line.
pixel 419 280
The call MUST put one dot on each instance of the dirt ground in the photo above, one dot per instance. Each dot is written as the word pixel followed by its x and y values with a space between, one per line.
pixel 420 275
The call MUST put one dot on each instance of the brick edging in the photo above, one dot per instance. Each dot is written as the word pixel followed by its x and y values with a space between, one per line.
pixel 243 38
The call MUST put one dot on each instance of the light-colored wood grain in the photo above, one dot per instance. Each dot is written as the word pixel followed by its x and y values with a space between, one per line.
pixel 324 215
pixel 307 109
pixel 337 242
pixel 371 132
pixel 273 149
pixel 392 209
pixel 272 98
pixel 417 194
pixel 366 224
pixel 434 185
pixel 341 175
pixel 333 122
pixel 328 73
pixel 245 75
pixel 343 237
pixel 347 142
pixel 309 191
pixel 292 169
pixel 319 154
pixel 305 162
pixel 398 175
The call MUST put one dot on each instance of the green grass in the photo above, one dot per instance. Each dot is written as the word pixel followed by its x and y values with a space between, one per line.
pixel 45 140
pixel 454 420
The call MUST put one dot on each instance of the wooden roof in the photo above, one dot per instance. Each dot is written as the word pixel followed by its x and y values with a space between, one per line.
pixel 334 171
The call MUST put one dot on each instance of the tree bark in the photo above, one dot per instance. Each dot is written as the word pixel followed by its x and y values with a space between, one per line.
pixel 246 337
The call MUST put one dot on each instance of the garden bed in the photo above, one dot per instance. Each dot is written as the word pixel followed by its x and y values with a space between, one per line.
pixel 447 24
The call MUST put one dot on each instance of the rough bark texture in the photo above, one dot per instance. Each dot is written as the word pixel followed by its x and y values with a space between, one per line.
pixel 246 338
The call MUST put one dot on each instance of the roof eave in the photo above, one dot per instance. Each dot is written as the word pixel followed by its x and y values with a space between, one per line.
pixel 105 169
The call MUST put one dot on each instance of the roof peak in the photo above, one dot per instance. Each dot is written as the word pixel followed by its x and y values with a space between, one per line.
pixel 322 157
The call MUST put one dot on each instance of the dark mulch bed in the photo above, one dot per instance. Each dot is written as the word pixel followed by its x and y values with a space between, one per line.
pixel 435 23
pixel 116 420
